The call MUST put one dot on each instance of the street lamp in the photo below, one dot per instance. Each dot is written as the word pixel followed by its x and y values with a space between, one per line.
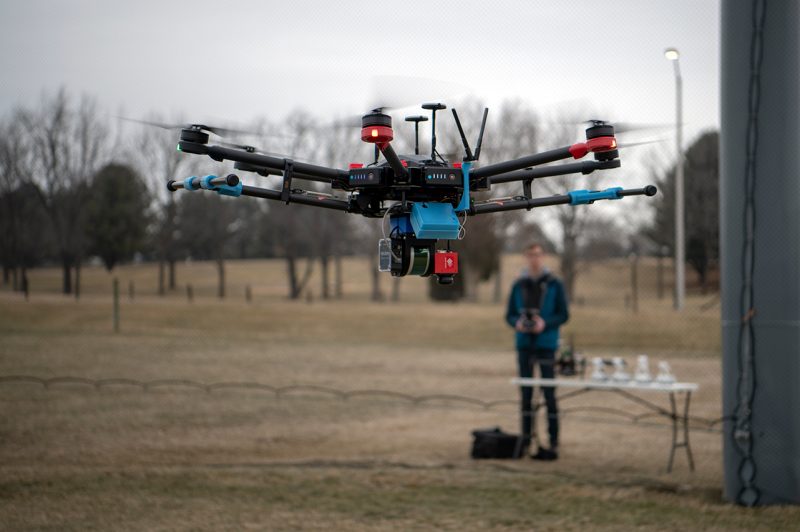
pixel 673 55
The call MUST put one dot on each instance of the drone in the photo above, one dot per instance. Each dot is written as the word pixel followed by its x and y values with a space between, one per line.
pixel 428 194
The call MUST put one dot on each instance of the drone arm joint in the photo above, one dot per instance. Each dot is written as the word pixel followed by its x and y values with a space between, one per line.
pixel 288 174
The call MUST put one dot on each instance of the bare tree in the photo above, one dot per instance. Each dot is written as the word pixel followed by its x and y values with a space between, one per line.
pixel 153 151
pixel 572 221
pixel 13 158
pixel 69 143
pixel 338 147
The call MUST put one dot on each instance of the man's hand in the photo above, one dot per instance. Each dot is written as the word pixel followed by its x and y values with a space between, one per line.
pixel 538 325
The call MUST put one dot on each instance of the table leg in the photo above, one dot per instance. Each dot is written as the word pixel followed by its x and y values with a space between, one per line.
pixel 686 430
pixel 684 419
pixel 674 418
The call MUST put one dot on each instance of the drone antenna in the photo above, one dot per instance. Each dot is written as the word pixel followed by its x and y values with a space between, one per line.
pixel 433 107
pixel 480 135
pixel 469 156
pixel 416 120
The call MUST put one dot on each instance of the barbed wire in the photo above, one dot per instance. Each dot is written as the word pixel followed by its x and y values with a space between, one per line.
pixel 438 399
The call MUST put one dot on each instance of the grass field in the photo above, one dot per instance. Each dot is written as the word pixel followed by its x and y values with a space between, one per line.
pixel 73 457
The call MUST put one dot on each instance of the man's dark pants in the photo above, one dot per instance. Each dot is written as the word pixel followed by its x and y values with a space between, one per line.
pixel 545 358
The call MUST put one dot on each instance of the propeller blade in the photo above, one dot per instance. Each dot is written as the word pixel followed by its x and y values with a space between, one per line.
pixel 149 123
pixel 627 127
pixel 640 143
pixel 391 93
pixel 219 131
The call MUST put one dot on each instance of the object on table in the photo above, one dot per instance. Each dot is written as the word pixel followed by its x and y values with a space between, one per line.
pixel 665 375
pixel 642 369
pixel 620 375
pixel 599 373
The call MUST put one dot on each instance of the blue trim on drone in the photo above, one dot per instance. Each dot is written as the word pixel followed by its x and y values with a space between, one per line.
pixel 401 222
pixel 205 183
pixel 463 205
pixel 585 197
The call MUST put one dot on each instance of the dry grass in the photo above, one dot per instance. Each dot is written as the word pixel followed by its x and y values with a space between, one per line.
pixel 76 458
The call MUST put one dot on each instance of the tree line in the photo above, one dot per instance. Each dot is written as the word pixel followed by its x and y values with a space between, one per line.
pixel 75 184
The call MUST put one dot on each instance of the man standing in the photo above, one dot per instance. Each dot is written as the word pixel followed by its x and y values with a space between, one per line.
pixel 537 307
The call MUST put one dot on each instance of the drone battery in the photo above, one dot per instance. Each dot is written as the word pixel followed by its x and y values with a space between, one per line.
pixel 445 263
pixel 384 255
pixel 447 177
pixel 434 221
pixel 366 177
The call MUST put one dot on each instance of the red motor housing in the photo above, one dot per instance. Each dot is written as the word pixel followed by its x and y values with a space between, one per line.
pixel 376 127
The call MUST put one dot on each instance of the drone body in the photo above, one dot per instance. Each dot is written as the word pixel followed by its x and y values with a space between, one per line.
pixel 429 193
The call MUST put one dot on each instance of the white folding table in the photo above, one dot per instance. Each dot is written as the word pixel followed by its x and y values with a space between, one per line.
pixel 680 422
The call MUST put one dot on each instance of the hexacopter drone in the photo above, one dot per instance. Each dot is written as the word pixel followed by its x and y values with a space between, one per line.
pixel 429 192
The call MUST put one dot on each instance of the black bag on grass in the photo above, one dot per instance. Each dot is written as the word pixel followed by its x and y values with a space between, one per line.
pixel 494 443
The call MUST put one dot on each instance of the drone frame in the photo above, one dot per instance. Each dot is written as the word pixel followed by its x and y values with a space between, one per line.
pixel 415 183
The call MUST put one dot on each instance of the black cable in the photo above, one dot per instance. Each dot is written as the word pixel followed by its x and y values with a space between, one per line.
pixel 742 429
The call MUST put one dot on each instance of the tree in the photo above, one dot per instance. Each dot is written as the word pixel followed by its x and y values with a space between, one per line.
pixel 206 223
pixel 701 196
pixel 572 221
pixel 158 161
pixel 69 143
pixel 116 214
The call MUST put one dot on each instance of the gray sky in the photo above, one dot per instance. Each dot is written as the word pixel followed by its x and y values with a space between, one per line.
pixel 232 60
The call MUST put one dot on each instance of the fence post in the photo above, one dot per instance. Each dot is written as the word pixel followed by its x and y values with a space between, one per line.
pixel 116 305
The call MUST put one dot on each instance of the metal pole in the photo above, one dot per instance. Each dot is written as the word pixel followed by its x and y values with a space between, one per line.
pixel 680 239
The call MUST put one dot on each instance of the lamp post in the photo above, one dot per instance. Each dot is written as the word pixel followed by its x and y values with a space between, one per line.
pixel 680 241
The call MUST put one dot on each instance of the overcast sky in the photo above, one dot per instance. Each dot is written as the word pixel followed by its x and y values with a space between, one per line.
pixel 235 59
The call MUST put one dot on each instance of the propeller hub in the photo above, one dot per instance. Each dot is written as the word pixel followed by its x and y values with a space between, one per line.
pixel 599 128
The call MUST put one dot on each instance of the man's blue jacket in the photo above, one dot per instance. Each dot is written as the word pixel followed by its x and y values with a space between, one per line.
pixel 554 311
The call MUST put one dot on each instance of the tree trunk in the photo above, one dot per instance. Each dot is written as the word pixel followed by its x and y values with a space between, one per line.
pixel 221 277
pixel 15 279
pixel 497 297
pixel 323 261
pixel 291 271
pixel 161 280
pixel 568 267
pixel 172 284
pixel 78 279
pixel 66 272
pixel 24 285
pixel 6 274
pixel 338 274
pixel 296 285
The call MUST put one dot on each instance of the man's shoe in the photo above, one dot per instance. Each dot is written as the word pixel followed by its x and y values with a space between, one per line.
pixel 545 454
